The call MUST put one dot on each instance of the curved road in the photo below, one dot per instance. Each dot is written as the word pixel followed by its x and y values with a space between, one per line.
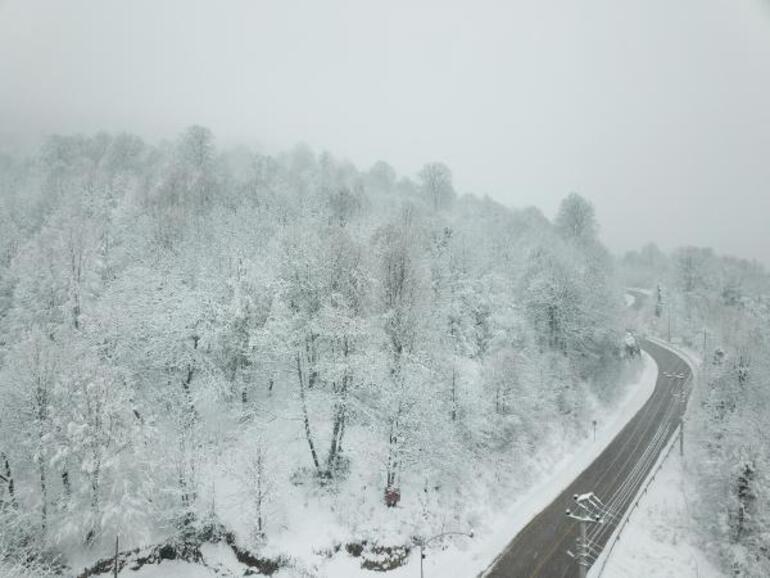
pixel 539 550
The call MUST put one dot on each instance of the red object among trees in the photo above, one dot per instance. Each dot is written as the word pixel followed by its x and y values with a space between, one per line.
pixel 392 497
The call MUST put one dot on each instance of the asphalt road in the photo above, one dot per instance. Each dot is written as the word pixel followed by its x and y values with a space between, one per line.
pixel 540 549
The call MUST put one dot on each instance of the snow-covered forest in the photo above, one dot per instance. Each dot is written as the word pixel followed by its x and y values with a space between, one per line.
pixel 360 289
pixel 306 353
pixel 719 308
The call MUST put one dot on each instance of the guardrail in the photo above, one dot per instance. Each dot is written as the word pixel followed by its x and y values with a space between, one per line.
pixel 598 567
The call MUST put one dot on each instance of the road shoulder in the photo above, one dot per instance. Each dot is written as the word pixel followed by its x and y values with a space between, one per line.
pixel 659 541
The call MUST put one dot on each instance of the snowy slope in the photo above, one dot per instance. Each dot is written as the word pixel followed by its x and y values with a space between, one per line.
pixel 499 522
pixel 658 541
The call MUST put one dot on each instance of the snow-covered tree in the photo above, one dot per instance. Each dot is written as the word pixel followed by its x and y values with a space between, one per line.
pixel 325 329
pixel 436 185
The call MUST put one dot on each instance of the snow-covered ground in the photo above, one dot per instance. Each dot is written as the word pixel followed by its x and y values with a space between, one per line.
pixel 658 541
pixel 643 290
pixel 498 522
pixel 220 561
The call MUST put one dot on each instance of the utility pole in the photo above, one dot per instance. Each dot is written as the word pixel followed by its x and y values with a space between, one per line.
pixel 584 518
pixel 583 549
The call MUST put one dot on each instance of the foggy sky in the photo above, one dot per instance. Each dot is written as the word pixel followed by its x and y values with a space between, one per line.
pixel 656 110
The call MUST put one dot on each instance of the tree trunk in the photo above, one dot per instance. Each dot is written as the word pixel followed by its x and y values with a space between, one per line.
pixel 77 271
pixel 91 535
pixel 340 415
pixel 116 568
pixel 305 418
pixel 453 412
pixel 66 484
pixel 392 464
pixel 260 496
pixel 312 358
pixel 391 473
pixel 44 494
pixel 336 440
pixel 8 479
pixel 187 478
pixel 342 434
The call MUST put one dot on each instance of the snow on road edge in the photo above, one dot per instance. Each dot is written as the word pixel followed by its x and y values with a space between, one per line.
pixel 641 528
pixel 598 567
pixel 486 548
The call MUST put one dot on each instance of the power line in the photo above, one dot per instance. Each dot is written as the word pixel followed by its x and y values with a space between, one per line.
pixel 589 507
